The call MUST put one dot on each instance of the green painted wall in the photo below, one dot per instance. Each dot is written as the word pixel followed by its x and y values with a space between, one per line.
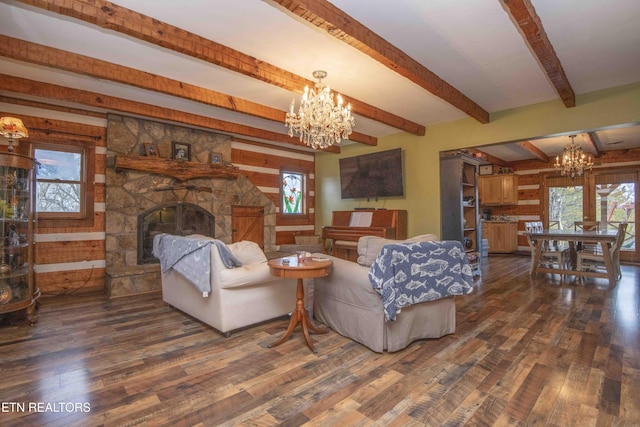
pixel 604 108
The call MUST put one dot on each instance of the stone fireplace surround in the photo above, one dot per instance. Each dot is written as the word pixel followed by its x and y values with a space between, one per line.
pixel 131 192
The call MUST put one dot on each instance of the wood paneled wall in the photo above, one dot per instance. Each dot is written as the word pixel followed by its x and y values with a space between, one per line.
pixel 72 259
pixel 262 163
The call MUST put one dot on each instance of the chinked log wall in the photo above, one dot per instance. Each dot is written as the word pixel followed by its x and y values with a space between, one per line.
pixel 72 259
pixel 531 190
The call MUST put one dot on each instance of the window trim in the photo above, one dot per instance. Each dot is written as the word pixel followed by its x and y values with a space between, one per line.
pixel 85 218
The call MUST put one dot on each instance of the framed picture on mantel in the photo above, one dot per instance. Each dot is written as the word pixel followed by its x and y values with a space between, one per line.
pixel 216 158
pixel 151 150
pixel 180 151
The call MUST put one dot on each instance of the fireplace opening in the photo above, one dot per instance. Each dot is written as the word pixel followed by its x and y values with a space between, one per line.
pixel 172 218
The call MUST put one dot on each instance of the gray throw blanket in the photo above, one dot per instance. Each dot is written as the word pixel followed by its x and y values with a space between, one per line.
pixel 191 257
pixel 409 273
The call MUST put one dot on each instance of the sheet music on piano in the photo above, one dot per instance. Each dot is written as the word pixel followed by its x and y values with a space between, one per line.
pixel 361 219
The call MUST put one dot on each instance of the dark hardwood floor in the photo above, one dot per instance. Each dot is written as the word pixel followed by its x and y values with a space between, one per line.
pixel 526 352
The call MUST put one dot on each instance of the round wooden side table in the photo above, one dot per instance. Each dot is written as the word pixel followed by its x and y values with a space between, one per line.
pixel 289 267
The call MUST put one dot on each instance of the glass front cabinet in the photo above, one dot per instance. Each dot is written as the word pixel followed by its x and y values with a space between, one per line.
pixel 17 288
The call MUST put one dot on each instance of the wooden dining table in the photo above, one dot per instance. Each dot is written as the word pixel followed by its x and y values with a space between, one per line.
pixel 604 238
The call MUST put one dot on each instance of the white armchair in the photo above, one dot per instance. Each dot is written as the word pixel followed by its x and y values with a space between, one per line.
pixel 239 296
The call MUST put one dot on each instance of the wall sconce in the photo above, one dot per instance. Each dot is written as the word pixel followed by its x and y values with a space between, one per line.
pixel 13 129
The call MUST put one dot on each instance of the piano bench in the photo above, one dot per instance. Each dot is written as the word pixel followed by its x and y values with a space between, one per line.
pixel 345 249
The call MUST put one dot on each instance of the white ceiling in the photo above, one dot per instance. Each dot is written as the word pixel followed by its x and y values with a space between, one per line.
pixel 471 44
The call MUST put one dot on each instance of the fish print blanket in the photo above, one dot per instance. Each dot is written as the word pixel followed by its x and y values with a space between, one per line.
pixel 409 273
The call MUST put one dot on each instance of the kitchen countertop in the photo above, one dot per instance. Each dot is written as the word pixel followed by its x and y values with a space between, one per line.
pixel 500 220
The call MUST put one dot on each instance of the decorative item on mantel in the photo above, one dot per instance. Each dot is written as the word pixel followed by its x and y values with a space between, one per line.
pixel 574 161
pixel 319 122
pixel 12 128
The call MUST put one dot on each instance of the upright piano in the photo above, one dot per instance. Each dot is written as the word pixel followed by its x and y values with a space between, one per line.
pixel 348 226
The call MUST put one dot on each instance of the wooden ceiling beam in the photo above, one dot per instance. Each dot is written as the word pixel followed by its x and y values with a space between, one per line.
pixel 338 24
pixel 527 20
pixel 97 100
pixel 117 18
pixel 535 151
pixel 59 59
pixel 52 107
pixel 590 139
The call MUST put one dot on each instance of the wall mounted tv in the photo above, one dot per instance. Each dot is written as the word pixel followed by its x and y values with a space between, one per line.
pixel 372 175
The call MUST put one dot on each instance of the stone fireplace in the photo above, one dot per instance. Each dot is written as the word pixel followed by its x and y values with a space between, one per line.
pixel 134 194
pixel 173 218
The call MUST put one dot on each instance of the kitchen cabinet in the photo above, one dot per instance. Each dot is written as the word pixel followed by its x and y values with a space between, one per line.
pixel 501 236
pixel 498 190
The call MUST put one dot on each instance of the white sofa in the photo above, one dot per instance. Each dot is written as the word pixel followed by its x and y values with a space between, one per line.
pixel 346 302
pixel 239 296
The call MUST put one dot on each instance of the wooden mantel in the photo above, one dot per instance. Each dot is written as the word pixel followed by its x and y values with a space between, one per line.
pixel 178 169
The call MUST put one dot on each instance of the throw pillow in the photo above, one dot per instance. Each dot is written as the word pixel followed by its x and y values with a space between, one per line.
pixel 423 238
pixel 247 252
pixel 370 246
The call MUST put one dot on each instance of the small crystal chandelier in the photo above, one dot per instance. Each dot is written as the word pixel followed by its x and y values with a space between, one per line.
pixel 574 161
pixel 12 129
pixel 319 122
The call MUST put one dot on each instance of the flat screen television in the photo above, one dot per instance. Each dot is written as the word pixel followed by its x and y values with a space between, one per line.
pixel 372 175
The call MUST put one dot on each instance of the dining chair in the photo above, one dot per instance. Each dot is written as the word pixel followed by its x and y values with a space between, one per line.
pixel 594 259
pixel 587 226
pixel 553 254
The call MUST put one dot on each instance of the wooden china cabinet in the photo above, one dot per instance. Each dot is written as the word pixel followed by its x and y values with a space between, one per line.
pixel 17 287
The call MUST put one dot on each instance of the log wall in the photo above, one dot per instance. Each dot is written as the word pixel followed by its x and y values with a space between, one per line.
pixel 72 259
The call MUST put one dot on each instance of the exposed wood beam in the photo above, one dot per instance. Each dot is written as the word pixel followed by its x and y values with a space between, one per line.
pixel 262 144
pixel 42 55
pixel 53 107
pixel 116 18
pixel 47 90
pixel 33 53
pixel 530 148
pixel 335 22
pixel 524 15
pixel 590 139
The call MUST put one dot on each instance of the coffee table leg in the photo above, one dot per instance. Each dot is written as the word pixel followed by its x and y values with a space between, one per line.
pixel 300 315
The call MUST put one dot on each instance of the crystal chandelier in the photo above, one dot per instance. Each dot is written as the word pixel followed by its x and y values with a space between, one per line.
pixel 574 161
pixel 319 122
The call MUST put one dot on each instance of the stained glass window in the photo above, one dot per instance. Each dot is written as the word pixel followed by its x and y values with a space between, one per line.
pixel 293 193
